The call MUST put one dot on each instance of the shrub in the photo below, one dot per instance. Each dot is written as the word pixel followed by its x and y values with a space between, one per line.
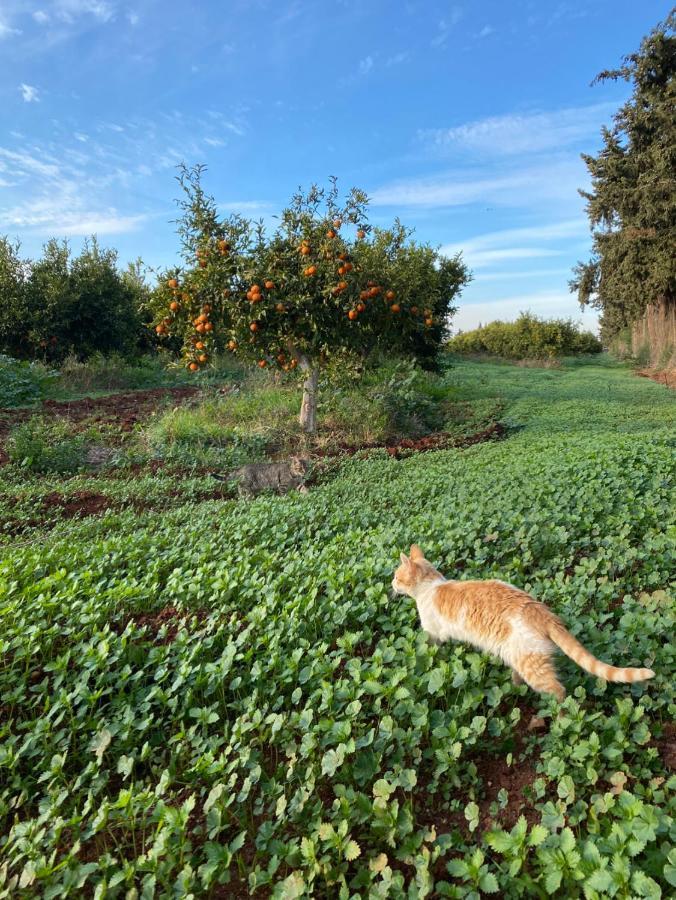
pixel 23 383
pixel 46 447
pixel 529 337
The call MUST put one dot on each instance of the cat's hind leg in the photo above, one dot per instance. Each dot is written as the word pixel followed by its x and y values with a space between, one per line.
pixel 537 670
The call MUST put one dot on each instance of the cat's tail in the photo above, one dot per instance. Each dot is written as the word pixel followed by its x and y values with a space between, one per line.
pixel 565 641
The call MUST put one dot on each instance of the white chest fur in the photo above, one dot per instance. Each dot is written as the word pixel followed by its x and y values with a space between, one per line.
pixel 438 626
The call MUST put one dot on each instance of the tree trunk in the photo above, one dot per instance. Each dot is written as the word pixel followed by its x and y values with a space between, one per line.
pixel 308 408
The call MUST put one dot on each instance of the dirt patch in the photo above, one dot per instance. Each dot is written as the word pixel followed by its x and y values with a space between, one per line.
pixel 80 503
pixel 667 377
pixel 169 618
pixel 666 746
pixel 408 446
pixel 121 411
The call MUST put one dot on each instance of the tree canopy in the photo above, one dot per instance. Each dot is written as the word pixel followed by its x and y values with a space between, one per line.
pixel 632 203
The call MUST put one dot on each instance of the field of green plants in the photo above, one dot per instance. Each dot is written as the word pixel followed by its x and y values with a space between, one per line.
pixel 220 698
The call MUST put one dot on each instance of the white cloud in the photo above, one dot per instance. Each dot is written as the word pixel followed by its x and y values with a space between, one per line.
pixel 41 17
pixel 485 31
pixel 498 245
pixel 29 93
pixel 133 18
pixel 550 304
pixel 523 133
pixel 365 65
pixel 446 26
pixel 527 186
pixel 398 58
pixel 480 258
pixel 71 10
pixel 6 31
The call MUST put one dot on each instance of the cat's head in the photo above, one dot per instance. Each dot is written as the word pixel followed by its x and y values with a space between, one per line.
pixel 412 570
pixel 299 465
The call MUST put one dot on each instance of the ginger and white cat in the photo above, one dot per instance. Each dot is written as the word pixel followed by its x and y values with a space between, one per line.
pixel 502 620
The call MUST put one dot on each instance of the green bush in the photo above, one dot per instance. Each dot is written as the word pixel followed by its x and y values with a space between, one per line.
pixel 23 383
pixel 46 447
pixel 529 337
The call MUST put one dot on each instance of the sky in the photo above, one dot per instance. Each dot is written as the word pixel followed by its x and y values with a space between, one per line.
pixel 466 120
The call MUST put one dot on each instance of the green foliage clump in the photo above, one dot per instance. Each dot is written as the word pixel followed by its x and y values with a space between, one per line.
pixel 41 446
pixel 23 383
pixel 528 337
pixel 632 201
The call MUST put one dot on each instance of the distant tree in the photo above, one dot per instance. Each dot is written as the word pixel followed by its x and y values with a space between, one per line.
pixel 632 204
pixel 13 300
pixel 324 282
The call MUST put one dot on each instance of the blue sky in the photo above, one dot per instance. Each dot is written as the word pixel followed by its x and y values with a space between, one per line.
pixel 466 120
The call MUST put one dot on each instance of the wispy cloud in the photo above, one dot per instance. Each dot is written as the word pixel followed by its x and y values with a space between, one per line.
pixel 365 65
pixel 486 31
pixel 29 93
pixel 446 26
pixel 41 17
pixel 71 10
pixel 6 31
pixel 519 133
pixel 521 186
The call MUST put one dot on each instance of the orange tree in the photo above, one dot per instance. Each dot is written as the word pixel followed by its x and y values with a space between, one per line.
pixel 324 282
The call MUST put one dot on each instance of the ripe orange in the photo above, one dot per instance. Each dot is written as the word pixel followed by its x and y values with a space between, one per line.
pixel 199 345
pixel 373 292
pixel 173 283
pixel 364 295
pixel 203 264
pixel 361 233
pixel 201 318
pixel 342 285
pixel 193 367
pixel 255 298
pixel 280 308
pixel 330 233
pixel 305 250
pixel 311 270
pixel 395 308
pixel 293 363
pixel 225 292
pixel 208 326
pixel 429 322
pixel 342 270
pixel 206 309
pixel 173 306
pixel 360 307
pixel 352 315
pixel 262 363
pixel 342 256
pixel 202 357
pixel 390 295
pixel 281 358
pixel 269 285
pixel 200 329
pixel 160 329
pixel 337 223
pixel 253 327
pixel 348 267
pixel 232 345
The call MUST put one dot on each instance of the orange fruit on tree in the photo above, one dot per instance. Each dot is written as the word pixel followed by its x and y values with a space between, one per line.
pixel 395 308
pixel 342 270
pixel 342 256
pixel 161 329
pixel 364 295
pixel 202 357
pixel 352 315
pixel 201 318
pixel 305 250
pixel 193 367
pixel 373 292
pixel 262 363
pixel 360 307
pixel 269 285
pixel 348 267
pixel 390 295
pixel 330 233
pixel 342 285
pixel 253 327
pixel 280 308
pixel 208 326
pixel 174 305
pixel 281 358
pixel 337 223
pixel 203 264
pixel 429 322
pixel 225 292
pixel 255 289
pixel 232 345
pixel 201 328
pixel 206 309
pixel 293 363
pixel 361 233
pixel 172 283
pixel 370 284
pixel 311 270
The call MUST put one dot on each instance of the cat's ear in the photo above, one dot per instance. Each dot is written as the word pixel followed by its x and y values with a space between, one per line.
pixel 416 552
pixel 404 559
